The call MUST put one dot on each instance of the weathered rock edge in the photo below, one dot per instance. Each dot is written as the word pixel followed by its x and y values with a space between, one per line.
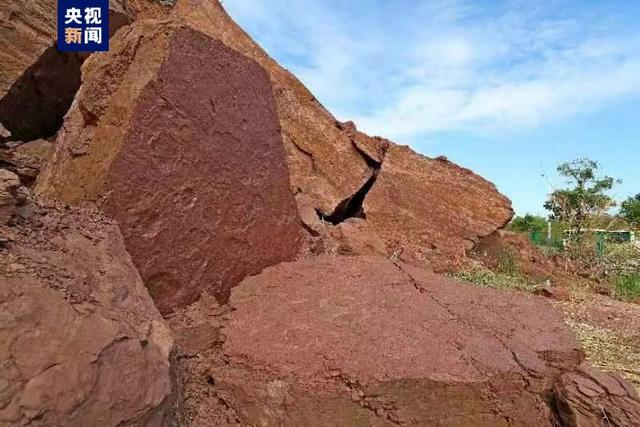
pixel 176 136
pixel 81 342
pixel 365 341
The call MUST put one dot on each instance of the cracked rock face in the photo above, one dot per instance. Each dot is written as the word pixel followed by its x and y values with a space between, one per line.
pixel 323 162
pixel 431 210
pixel 587 397
pixel 363 341
pixel 176 136
pixel 27 159
pixel 81 342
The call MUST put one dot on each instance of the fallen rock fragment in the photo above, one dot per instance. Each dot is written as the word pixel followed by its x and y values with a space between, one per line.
pixel 4 133
pixel 9 184
pixel 432 210
pixel 588 397
pixel 27 159
pixel 355 237
pixel 181 145
pixel 83 343
pixel 365 341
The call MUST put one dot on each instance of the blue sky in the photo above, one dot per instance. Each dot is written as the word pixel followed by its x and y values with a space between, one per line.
pixel 508 88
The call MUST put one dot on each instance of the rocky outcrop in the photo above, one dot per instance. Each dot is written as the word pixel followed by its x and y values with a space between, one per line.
pixel 26 159
pixel 81 342
pixel 364 341
pixel 336 165
pixel 431 210
pixel 323 162
pixel 27 29
pixel 176 136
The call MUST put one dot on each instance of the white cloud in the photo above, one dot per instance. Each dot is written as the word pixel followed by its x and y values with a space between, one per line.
pixel 409 69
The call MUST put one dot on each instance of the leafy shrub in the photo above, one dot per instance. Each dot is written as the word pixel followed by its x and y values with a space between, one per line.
pixel 627 286
pixel 528 223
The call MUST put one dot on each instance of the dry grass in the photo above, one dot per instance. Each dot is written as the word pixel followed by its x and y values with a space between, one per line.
pixel 609 351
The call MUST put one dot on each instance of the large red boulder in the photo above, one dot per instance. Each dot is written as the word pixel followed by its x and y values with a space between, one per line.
pixel 323 161
pixel 432 210
pixel 363 341
pixel 81 342
pixel 177 137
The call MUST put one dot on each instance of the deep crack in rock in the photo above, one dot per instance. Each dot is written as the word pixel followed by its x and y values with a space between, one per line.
pixel 37 102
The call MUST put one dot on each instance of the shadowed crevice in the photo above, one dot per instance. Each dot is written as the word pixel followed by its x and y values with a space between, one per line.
pixel 350 207
pixel 35 105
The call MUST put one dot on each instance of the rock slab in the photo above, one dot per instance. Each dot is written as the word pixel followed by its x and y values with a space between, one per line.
pixel 364 341
pixel 81 342
pixel 432 211
pixel 177 137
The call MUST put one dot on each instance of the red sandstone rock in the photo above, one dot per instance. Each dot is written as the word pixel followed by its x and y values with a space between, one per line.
pixel 81 343
pixel 432 210
pixel 331 163
pixel 323 162
pixel 38 82
pixel 176 136
pixel 355 237
pixel 590 398
pixel 373 149
pixel 363 341
pixel 9 183
pixel 27 159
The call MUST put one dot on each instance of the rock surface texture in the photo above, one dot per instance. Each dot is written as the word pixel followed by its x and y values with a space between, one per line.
pixel 27 159
pixel 218 168
pixel 587 397
pixel 9 184
pixel 38 82
pixel 176 136
pixel 431 210
pixel 81 342
pixel 323 162
pixel 363 341
pixel 448 207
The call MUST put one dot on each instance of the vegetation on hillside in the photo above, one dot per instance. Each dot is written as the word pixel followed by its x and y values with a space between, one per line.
pixel 585 197
pixel 575 213
pixel 630 210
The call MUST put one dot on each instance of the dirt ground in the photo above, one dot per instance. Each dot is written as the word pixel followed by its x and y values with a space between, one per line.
pixel 608 329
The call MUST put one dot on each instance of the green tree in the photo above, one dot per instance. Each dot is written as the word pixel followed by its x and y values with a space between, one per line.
pixel 630 210
pixel 585 197
pixel 529 223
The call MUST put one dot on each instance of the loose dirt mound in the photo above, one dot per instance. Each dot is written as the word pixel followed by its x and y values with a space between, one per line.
pixel 504 246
